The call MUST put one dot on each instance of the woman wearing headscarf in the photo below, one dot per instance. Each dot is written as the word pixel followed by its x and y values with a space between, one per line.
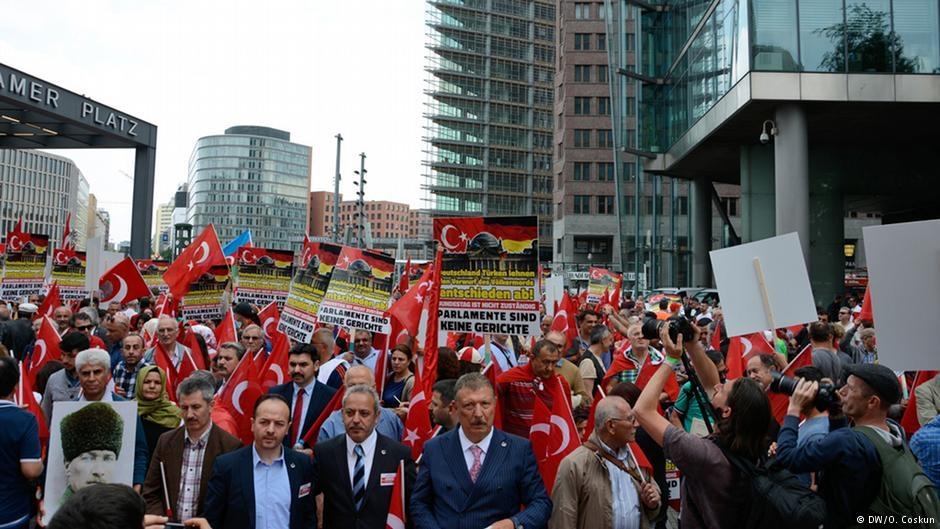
pixel 157 413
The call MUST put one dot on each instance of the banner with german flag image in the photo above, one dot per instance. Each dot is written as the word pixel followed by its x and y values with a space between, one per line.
pixel 359 291
pixel 68 270
pixel 207 295
pixel 299 317
pixel 601 280
pixel 263 275
pixel 152 271
pixel 489 275
pixel 24 265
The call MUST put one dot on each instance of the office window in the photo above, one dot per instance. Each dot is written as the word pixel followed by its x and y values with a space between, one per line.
pixel 601 11
pixel 582 171
pixel 629 171
pixel 605 171
pixel 582 137
pixel 582 41
pixel 629 205
pixel 603 106
pixel 582 204
pixel 630 109
pixel 582 73
pixel 602 41
pixel 605 205
pixel 629 41
pixel 605 138
pixel 582 11
pixel 601 73
pixel 582 106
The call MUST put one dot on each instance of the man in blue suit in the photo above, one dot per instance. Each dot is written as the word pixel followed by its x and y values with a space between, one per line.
pixel 307 396
pixel 263 485
pixel 477 476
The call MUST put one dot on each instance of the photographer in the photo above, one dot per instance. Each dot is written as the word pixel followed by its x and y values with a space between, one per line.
pixel 846 460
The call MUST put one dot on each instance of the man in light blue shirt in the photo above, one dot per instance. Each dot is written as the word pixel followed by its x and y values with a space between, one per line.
pixel 363 352
pixel 389 424
pixel 926 447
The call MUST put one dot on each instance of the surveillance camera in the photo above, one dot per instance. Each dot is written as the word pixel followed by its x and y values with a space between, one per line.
pixel 764 138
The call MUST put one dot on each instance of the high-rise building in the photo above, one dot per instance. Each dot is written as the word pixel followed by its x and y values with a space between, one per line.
pixel 40 187
pixel 163 227
pixel 387 220
pixel 251 178
pixel 99 224
pixel 813 109
pixel 491 66
pixel 80 213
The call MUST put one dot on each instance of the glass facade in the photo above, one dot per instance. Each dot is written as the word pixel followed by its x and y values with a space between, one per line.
pixel 240 181
pixel 491 67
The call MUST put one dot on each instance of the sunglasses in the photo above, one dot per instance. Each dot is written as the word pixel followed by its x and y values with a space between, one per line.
pixel 85 327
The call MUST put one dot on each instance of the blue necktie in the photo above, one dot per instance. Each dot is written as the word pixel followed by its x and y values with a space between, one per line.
pixel 359 477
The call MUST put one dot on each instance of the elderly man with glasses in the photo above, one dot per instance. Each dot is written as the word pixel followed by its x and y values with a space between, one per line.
pixel 167 332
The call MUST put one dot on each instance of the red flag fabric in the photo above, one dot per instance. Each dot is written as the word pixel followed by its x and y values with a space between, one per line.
pixel 716 338
pixel 418 422
pixel 122 283
pixel 24 397
pixel 396 506
pixel 403 281
pixel 269 317
pixel 187 366
pixel 430 342
pixel 909 421
pixel 492 373
pixel 67 242
pixel 779 402
pixel 553 433
pixel 17 238
pixel 565 318
pixel 622 363
pixel 164 305
pixel 46 348
pixel 741 349
pixel 200 256
pixel 407 309
pixel 225 332
pixel 275 369
pixel 51 302
pixel 866 314
pixel 335 403
pixel 239 396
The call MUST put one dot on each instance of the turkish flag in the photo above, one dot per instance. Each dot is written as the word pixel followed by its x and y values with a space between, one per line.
pixel 50 303
pixel 741 349
pixel 225 332
pixel 24 397
pixel 335 403
pixel 17 238
pixel 622 363
pixel 407 309
pixel 165 305
pixel 46 348
pixel 269 317
pixel 779 402
pixel 553 433
pixel 197 259
pixel 67 242
pixel 565 320
pixel 396 506
pixel 716 337
pixel 430 342
pixel 239 396
pixel 403 281
pixel 190 363
pixel 866 314
pixel 418 422
pixel 909 421
pixel 275 369
pixel 122 283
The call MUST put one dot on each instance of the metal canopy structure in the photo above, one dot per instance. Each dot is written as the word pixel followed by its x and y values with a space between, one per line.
pixel 35 114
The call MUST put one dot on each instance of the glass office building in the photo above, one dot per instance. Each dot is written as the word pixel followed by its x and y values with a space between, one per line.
pixel 489 111
pixel 251 178
pixel 815 108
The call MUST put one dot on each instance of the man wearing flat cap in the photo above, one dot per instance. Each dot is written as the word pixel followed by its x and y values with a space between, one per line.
pixel 91 445
pixel 846 460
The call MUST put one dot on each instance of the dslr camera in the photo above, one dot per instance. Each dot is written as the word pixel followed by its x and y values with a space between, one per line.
pixel 825 397
pixel 677 325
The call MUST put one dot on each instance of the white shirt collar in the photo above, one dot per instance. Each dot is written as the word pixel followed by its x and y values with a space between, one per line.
pixel 308 389
pixel 465 443
pixel 368 446
pixel 256 458
pixel 107 397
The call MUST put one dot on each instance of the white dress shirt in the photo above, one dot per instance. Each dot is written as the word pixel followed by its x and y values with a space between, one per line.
pixel 465 445
pixel 326 370
pixel 368 361
pixel 503 355
pixel 368 449
pixel 308 391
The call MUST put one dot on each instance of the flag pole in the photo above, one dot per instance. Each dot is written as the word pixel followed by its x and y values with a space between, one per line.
pixel 765 297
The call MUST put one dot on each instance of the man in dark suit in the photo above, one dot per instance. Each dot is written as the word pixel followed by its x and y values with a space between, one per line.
pixel 264 485
pixel 188 452
pixel 356 472
pixel 477 476
pixel 306 395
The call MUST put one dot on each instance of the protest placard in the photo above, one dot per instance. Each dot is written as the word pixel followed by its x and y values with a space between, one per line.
pixel 904 265
pixel 489 275
pixel 68 270
pixel 263 275
pixel 152 271
pixel 206 297
pixel 359 291
pixel 299 317
pixel 24 265
pixel 763 285
pixel 601 281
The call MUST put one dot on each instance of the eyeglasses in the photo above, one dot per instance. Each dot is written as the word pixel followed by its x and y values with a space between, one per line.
pixel 85 327
pixel 252 337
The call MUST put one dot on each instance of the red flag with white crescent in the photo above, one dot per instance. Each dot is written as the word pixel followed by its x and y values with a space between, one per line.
pixel 225 332
pixel 779 402
pixel 742 348
pixel 553 432
pixel 197 259
pixel 418 423
pixel 239 396
pixel 275 371
pixel 430 342
pixel 122 283
pixel 23 396
pixel 67 242
pixel 51 302
pixel 45 349
pixel 335 403
pixel 269 316
pixel 396 506
pixel 407 309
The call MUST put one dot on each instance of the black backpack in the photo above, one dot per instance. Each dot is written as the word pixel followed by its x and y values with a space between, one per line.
pixel 778 499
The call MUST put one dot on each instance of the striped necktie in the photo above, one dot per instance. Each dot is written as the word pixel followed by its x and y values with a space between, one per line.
pixel 359 477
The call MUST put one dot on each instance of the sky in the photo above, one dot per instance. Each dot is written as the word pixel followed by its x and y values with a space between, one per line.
pixel 314 68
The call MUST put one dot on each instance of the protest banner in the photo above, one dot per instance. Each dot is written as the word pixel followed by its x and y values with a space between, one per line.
pixel 263 275
pixel 299 317
pixel 152 271
pixel 489 275
pixel 206 297
pixel 763 285
pixel 68 270
pixel 359 291
pixel 601 280
pixel 24 265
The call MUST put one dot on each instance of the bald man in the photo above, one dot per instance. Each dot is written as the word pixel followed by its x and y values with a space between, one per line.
pixel 389 424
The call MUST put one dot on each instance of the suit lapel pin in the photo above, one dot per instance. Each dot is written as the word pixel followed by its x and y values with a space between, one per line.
pixel 383 452
pixel 293 465
pixel 503 444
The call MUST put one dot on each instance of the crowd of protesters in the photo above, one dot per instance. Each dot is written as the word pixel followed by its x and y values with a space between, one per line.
pixel 636 399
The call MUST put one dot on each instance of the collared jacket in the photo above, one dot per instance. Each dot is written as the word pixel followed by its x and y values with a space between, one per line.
pixel 582 493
